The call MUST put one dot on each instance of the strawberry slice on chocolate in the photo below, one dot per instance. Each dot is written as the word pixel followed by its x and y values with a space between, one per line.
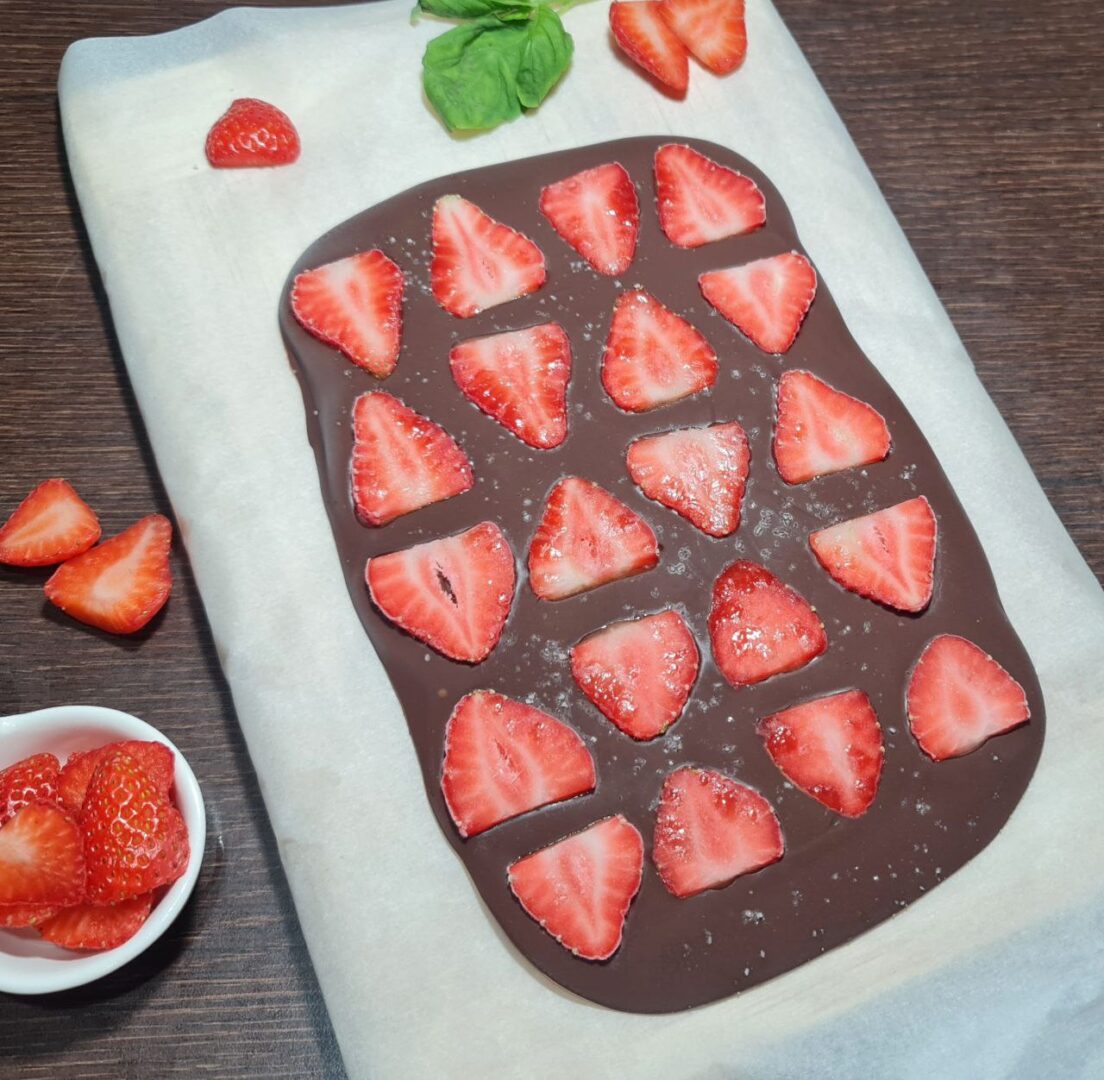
pixel 831 748
pixel 645 37
pixel 710 830
pixel 453 594
pixel 760 627
pixel 478 262
pixel 959 697
pixel 887 556
pixel 50 525
pixel 32 780
pixel 96 926
pixel 41 858
pixel 587 538
pixel 520 379
pixel 713 31
pixel 580 888
pixel 504 758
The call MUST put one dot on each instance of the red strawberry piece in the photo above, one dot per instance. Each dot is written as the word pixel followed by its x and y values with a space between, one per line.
pixel 639 673
pixel 519 379
pixel 587 538
pixel 122 583
pixel 134 838
pixel 94 926
pixel 32 780
pixel 41 858
pixel 454 594
pixel 821 430
pixel 19 916
pixel 252 134
pixel 479 262
pixel 700 201
pixel 710 830
pixel 598 214
pixel 504 758
pixel 50 525
pixel 401 461
pixel 155 758
pixel 645 37
pixel 653 357
pixel 959 696
pixel 699 473
pixel 354 304
pixel 580 888
pixel 766 299
pixel 888 556
pixel 760 627
pixel 713 31
pixel 831 748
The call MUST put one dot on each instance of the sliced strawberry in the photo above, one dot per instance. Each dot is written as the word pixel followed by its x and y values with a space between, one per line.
pixel 587 538
pixel 135 840
pixel 122 583
pixel 41 857
pixel 479 262
pixel 252 134
pixel 887 556
pixel 766 299
pixel 580 888
pixel 760 627
pixel 598 214
pixel 354 304
pixel 401 461
pixel 644 36
pixel 92 926
pixel 504 758
pixel 653 357
pixel 519 379
pixel 699 473
pixel 639 673
pixel 700 201
pixel 831 748
pixel 454 594
pixel 155 758
pixel 710 830
pixel 19 916
pixel 32 780
pixel 50 525
pixel 959 696
pixel 821 430
pixel 713 31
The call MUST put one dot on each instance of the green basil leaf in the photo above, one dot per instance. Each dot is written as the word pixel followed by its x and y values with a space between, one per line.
pixel 477 9
pixel 547 53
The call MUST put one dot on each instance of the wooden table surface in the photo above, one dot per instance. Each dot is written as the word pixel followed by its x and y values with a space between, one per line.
pixel 981 122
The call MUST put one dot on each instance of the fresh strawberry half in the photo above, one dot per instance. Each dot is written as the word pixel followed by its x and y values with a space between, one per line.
pixel 700 201
pixel 653 357
pixel 92 926
pixel 519 379
pixel 700 473
pixel 155 758
pixel 959 696
pixel 710 830
pixel 479 262
pixel 831 748
pixel 713 31
pixel 598 214
pixel 587 538
pixel 453 594
pixel 32 780
pixel 767 299
pixel 504 758
pixel 821 430
pixel 639 673
pixel 580 889
pixel 252 134
pixel 50 525
pixel 645 37
pixel 760 627
pixel 122 583
pixel 354 304
pixel 134 838
pixel 887 556
pixel 41 858
pixel 401 461
pixel 18 916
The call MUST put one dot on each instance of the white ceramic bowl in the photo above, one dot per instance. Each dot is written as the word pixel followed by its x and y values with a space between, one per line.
pixel 30 965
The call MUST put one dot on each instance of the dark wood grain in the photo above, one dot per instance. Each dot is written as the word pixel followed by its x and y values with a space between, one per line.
pixel 981 122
